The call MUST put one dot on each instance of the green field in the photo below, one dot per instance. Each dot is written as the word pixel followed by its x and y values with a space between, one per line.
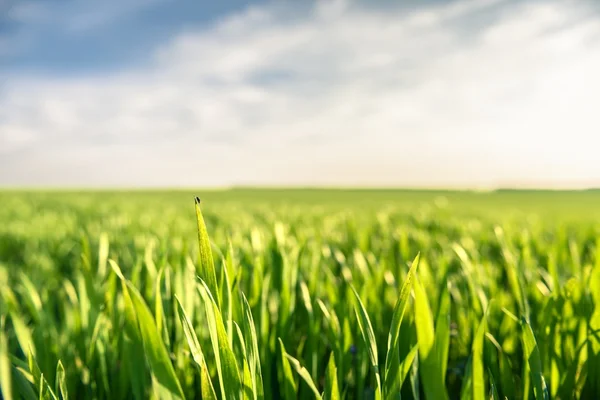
pixel 282 294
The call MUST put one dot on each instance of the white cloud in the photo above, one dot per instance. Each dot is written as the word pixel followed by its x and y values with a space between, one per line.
pixel 472 93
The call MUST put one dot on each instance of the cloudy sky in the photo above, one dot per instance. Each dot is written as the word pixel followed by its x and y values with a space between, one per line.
pixel 141 93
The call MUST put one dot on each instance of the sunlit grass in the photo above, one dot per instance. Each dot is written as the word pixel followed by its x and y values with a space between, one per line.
pixel 150 296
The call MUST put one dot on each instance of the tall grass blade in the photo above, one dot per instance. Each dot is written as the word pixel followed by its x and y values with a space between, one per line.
pixel 392 360
pixel 23 333
pixel 477 371
pixel 229 376
pixel 5 367
pixel 430 369
pixel 366 330
pixel 22 384
pixel 442 332
pixel 532 357
pixel 165 382
pixel 61 381
pixel 304 374
pixel 332 391
pixel 40 383
pixel 207 388
pixel 160 363
pixel 252 348
pixel 206 267
pixel 287 378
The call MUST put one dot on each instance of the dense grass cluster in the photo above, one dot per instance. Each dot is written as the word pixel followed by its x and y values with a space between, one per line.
pixel 299 294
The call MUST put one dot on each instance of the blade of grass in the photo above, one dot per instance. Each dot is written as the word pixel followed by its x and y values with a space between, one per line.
pixel 252 348
pixel 156 352
pixel 442 332
pixel 288 382
pixel 477 374
pixel 304 374
pixel 22 384
pixel 206 386
pixel 407 363
pixel 430 368
pixel 391 379
pixel 164 378
pixel 226 303
pixel 206 268
pixel 158 308
pixel 247 384
pixel 61 381
pixel 366 330
pixel 493 390
pixel 532 357
pixel 507 384
pixel 38 377
pixel 23 334
pixel 229 376
pixel 5 367
pixel 332 391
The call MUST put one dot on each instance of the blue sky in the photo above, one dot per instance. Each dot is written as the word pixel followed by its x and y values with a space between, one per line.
pixel 461 93
pixel 80 37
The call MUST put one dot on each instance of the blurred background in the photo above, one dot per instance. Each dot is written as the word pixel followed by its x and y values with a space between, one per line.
pixel 162 93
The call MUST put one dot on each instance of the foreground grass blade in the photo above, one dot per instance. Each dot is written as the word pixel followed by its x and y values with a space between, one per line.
pixel 392 378
pixel 22 385
pixel 23 334
pixel 442 332
pixel 532 356
pixel 332 391
pixel 407 364
pixel 5 367
pixel 430 369
pixel 156 352
pixel 304 374
pixel 158 307
pixel 511 271
pixel 252 348
pixel 189 333
pixel 46 392
pixel 207 388
pixel 366 330
pixel 165 380
pixel 493 390
pixel 477 375
pixel 61 384
pixel 206 267
pixel 229 376
pixel 288 382
pixel 414 379
pixel 38 379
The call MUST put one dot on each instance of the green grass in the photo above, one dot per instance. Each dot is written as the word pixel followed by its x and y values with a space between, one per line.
pixel 269 294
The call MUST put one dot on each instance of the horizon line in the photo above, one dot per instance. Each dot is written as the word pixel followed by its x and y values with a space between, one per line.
pixel 123 188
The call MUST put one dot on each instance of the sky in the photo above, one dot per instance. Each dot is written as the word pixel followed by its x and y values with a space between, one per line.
pixel 166 93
